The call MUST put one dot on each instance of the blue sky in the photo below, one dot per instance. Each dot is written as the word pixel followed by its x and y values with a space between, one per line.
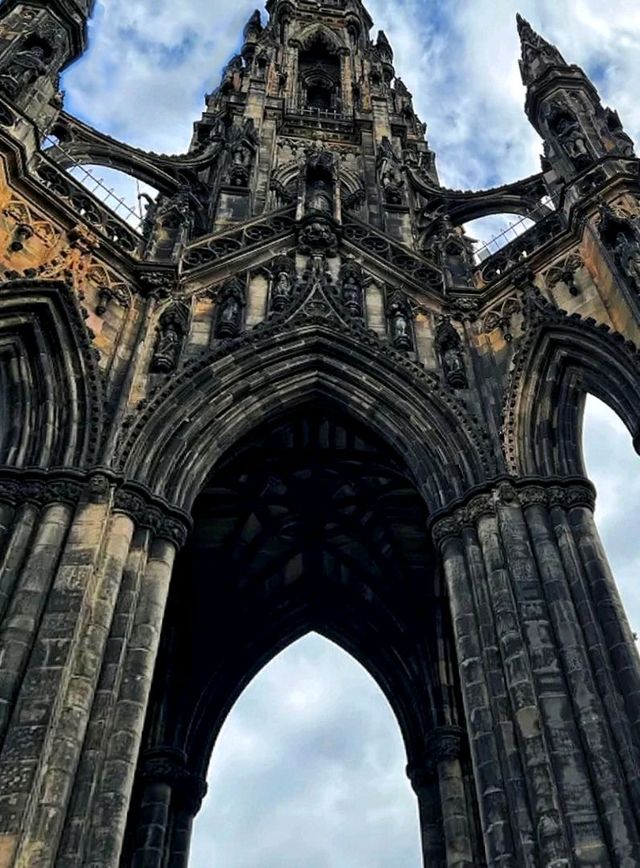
pixel 309 768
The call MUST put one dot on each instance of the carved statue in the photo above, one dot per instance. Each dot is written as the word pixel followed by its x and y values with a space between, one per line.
pixel 628 255
pixel 320 197
pixel 351 279
pixel 282 291
pixel 624 142
pixel 398 315
pixel 24 68
pixel 450 350
pixel 572 139
pixel 231 301
pixel 231 70
pixel 390 175
pixel 172 329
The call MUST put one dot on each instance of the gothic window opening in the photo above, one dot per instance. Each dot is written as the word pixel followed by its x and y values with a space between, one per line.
pixel 311 760
pixel 320 78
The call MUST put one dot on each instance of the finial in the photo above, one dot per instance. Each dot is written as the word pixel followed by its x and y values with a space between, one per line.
pixel 537 54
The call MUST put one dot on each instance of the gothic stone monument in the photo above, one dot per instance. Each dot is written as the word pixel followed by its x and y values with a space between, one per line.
pixel 294 401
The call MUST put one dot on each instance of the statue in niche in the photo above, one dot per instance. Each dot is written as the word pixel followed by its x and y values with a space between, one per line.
pixel 351 280
pixel 627 253
pixel 399 318
pixel 25 67
pixel 242 147
pixel 624 142
pixel 172 329
pixel 230 304
pixel 390 174
pixel 450 350
pixel 320 197
pixel 231 70
pixel 282 291
pixel 572 139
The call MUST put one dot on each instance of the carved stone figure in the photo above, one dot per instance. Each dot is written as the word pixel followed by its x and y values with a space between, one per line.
pixel 320 197
pixel 351 280
pixel 171 333
pixel 624 142
pixel 399 318
pixel 449 346
pixel 572 140
pixel 627 252
pixel 26 66
pixel 283 271
pixel 230 303
pixel 390 174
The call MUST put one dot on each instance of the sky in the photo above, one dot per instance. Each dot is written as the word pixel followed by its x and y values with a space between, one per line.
pixel 309 767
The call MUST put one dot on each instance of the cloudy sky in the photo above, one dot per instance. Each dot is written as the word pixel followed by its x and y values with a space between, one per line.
pixel 309 768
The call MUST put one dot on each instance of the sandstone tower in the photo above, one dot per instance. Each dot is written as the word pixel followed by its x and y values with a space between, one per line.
pixel 295 401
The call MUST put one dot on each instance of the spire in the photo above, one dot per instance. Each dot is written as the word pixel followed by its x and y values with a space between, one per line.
pixel 538 55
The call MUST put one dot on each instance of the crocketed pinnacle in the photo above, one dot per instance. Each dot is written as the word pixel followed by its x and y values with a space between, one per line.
pixel 537 54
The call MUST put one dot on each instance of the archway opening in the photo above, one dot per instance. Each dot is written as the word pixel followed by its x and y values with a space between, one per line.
pixel 614 468
pixel 311 761
pixel 309 524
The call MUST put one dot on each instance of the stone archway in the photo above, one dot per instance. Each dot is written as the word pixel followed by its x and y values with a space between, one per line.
pixel 309 522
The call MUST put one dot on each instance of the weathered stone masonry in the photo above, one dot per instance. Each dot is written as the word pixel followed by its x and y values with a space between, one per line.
pixel 294 401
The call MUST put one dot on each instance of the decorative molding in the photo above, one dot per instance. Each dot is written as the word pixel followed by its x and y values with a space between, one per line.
pixel 510 491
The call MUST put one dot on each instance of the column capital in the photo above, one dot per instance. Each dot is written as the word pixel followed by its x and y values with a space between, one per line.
pixel 444 744
pixel 484 500
pixel 167 766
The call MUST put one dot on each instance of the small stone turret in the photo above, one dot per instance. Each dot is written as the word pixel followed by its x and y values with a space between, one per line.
pixel 565 108
pixel 37 41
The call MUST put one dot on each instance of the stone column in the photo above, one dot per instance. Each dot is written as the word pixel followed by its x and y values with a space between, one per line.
pixel 63 606
pixel 34 550
pixel 478 692
pixel 113 789
pixel 444 747
pixel 424 781
pixel 188 793
pixel 171 798
pixel 575 790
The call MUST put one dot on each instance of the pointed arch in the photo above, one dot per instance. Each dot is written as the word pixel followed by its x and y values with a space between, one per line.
pixel 318 32
pixel 183 431
pixel 563 358
pixel 51 385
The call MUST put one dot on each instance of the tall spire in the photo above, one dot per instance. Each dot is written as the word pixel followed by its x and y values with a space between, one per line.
pixel 538 55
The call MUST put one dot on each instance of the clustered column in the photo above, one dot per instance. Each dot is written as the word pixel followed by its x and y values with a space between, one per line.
pixel 545 671
pixel 439 784
pixel 84 572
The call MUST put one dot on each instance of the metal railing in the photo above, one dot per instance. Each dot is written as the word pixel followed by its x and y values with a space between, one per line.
pixel 485 249
pixel 96 185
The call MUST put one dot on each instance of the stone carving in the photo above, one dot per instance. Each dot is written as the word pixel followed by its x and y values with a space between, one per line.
pixel 537 54
pixel 318 236
pixel 230 304
pixel 242 146
pixel 501 317
pixel 27 65
pixel 571 138
pixel 351 287
pixel 627 251
pixel 451 353
pixel 399 317
pixel 172 329
pixel 623 141
pixel 621 234
pixel 390 174
pixel 283 272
